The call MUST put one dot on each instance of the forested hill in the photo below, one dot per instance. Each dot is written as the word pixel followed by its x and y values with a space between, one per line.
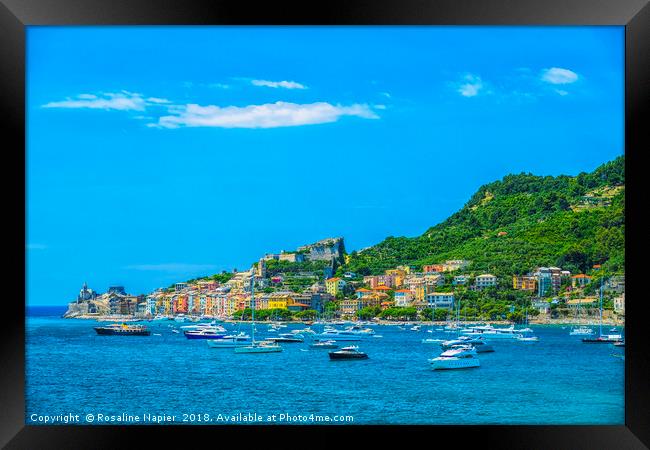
pixel 520 222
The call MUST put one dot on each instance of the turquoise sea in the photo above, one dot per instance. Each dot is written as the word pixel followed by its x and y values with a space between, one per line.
pixel 71 371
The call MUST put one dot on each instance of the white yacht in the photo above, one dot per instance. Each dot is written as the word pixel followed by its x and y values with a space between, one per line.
pixel 458 358
pixel 231 341
pixel 523 338
pixel 479 344
pixel 353 333
pixel 581 331
pixel 490 332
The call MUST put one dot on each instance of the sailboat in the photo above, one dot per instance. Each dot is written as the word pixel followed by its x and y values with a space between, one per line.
pixel 581 330
pixel 432 340
pixel 602 338
pixel 257 346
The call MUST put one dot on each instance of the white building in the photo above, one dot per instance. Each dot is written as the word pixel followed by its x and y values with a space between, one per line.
pixel 440 300
pixel 485 280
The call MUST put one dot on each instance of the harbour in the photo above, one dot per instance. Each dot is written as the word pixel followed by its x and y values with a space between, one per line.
pixel 70 367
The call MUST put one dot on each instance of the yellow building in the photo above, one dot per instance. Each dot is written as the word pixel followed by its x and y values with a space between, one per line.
pixel 525 283
pixel 334 285
pixel 398 276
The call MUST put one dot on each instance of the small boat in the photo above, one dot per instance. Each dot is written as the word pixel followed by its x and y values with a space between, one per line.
pixel 175 331
pixel 257 346
pixel 287 338
pixel 232 341
pixel 324 344
pixel 123 329
pixel 523 338
pixel 351 352
pixel 457 358
pixel 581 331
pixel 479 344
pixel 432 341
pixel 619 344
pixel 415 328
pixel 604 339
pixel 204 333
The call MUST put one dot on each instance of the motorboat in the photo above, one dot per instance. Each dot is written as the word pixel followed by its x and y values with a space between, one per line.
pixel 204 333
pixel 479 344
pixel 490 332
pixel 604 339
pixel 204 326
pixel 463 357
pixel 123 329
pixel 351 352
pixel 619 344
pixel 353 333
pixel 415 328
pixel 432 341
pixel 523 338
pixel 324 344
pixel 581 331
pixel 287 338
pixel 231 341
pixel 304 330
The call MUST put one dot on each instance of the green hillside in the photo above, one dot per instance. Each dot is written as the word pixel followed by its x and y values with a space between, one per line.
pixel 518 223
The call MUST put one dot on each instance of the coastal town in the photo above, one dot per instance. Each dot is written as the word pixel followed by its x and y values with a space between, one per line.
pixel 309 283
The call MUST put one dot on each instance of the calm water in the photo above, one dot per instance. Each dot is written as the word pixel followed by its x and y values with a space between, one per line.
pixel 558 380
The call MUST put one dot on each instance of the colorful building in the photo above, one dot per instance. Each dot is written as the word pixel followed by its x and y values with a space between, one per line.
pixel 403 297
pixel 440 300
pixel 580 280
pixel 334 285
pixel 485 280
pixel 433 268
pixel 524 282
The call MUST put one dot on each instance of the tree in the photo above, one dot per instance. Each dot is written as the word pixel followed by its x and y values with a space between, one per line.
pixel 368 312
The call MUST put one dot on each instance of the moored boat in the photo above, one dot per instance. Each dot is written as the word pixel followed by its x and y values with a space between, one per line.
pixel 351 352
pixel 324 344
pixel 287 338
pixel 231 341
pixel 457 358
pixel 123 330
pixel 581 331
pixel 205 333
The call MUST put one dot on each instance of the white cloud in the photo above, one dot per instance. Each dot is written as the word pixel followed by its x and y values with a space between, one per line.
pixel 277 84
pixel 122 101
pixel 471 86
pixel 219 85
pixel 561 92
pixel 385 94
pixel 556 75
pixel 157 100
pixel 35 246
pixel 270 115
pixel 172 267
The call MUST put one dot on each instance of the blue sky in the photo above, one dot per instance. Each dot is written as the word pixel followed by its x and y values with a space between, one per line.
pixel 157 154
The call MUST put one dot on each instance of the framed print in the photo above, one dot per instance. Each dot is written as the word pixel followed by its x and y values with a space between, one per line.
pixel 372 220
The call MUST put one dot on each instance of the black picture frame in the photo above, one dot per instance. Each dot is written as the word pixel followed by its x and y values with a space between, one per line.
pixel 15 15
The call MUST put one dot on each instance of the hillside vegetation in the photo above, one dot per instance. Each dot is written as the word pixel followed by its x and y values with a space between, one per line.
pixel 518 223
